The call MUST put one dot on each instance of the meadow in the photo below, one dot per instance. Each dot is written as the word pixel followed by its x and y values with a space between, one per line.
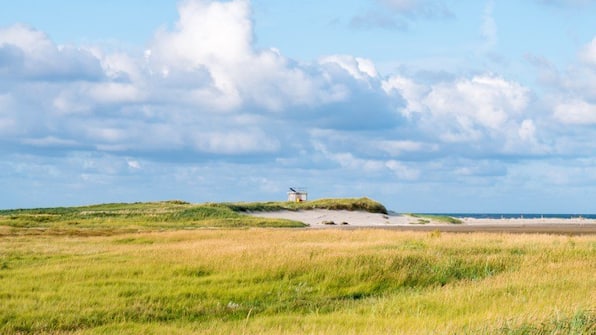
pixel 247 280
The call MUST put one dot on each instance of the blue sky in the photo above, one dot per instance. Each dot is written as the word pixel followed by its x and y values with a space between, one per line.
pixel 424 105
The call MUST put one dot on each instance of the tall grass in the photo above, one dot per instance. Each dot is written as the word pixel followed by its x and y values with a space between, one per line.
pixel 295 282
pixel 581 323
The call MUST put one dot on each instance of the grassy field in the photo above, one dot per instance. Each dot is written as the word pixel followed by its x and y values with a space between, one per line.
pixel 288 281
pixel 179 268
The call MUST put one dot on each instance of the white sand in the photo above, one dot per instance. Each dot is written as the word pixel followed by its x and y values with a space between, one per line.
pixel 316 217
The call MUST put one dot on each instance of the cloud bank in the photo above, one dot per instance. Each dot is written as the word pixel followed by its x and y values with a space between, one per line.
pixel 202 114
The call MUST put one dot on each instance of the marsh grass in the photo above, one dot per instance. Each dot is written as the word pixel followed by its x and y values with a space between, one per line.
pixel 294 282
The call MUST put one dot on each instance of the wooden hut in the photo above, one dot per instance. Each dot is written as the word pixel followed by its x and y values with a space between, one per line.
pixel 296 194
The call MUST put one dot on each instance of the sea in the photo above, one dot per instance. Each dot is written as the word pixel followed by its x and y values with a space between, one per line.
pixel 514 215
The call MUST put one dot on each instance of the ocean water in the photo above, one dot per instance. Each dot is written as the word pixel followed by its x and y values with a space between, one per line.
pixel 515 215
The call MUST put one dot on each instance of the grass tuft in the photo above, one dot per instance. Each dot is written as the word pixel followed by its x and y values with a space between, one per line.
pixel 581 323
pixel 429 218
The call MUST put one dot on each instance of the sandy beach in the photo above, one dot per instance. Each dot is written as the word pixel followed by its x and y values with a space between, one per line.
pixel 320 219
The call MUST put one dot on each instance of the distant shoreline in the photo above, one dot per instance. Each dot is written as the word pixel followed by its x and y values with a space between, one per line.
pixel 342 219
pixel 513 215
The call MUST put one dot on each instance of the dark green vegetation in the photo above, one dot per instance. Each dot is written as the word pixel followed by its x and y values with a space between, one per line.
pixel 581 323
pixel 428 218
pixel 359 204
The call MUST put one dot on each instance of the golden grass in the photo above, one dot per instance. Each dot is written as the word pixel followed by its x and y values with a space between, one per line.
pixel 285 281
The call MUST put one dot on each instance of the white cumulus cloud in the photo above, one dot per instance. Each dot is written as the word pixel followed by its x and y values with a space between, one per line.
pixel 31 54
pixel 588 53
pixel 576 112
pixel 467 109
pixel 217 37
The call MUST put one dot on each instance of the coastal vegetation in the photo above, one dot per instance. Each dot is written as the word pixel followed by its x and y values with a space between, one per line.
pixel 167 268
pixel 132 217
pixel 349 204
pixel 431 218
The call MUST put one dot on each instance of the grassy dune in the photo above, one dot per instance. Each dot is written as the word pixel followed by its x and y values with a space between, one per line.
pixel 253 281
pixel 350 204
pixel 116 218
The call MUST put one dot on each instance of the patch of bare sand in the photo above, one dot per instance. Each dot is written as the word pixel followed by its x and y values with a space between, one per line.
pixel 321 218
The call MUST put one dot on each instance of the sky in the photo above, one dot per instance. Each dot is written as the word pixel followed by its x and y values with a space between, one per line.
pixel 423 105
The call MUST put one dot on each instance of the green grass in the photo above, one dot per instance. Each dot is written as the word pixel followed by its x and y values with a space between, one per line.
pixel 429 218
pixel 350 204
pixel 296 281
pixel 582 322
pixel 107 219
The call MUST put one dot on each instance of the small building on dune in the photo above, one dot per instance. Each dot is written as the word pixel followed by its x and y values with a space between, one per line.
pixel 296 194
